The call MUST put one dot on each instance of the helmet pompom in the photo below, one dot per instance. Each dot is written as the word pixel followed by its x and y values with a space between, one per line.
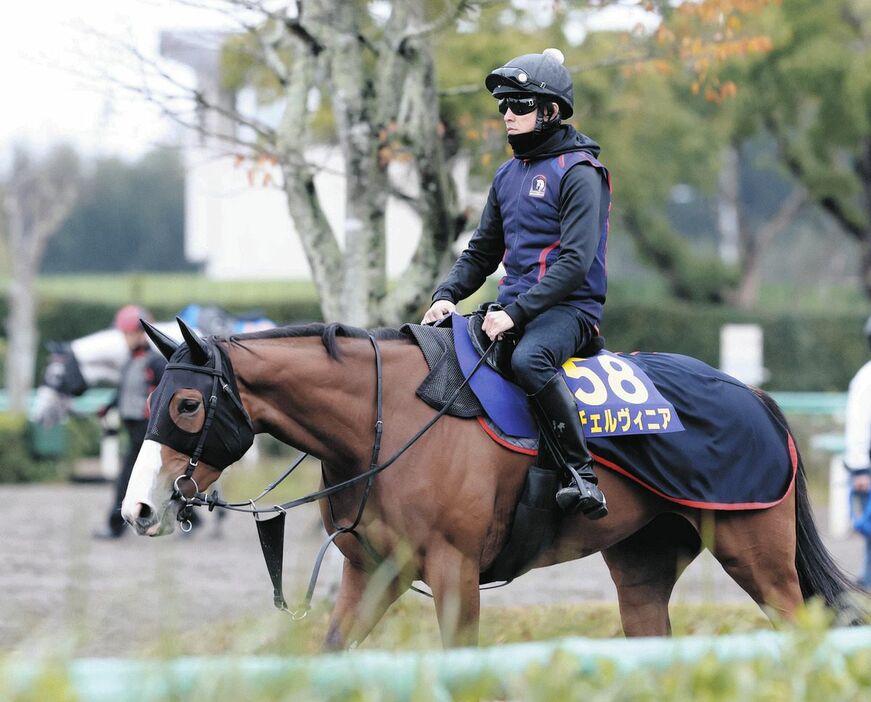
pixel 556 55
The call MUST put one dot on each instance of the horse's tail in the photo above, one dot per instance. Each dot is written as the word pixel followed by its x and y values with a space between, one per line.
pixel 818 573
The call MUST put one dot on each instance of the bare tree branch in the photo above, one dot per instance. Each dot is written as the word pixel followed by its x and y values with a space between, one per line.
pixel 269 48
pixel 296 27
pixel 622 60
pixel 789 208
pixel 263 130
pixel 848 218
pixel 451 14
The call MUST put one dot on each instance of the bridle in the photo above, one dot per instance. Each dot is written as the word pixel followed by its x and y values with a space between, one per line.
pixel 219 381
pixel 271 531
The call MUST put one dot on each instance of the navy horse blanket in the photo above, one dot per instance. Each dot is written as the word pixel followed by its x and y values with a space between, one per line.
pixel 675 425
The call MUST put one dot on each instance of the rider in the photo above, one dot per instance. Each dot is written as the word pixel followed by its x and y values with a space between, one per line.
pixel 139 377
pixel 546 220
pixel 857 455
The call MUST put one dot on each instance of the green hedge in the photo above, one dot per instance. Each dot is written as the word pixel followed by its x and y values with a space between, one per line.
pixel 808 352
pixel 17 463
pixel 65 320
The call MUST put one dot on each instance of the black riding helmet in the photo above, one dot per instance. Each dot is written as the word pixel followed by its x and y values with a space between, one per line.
pixel 541 74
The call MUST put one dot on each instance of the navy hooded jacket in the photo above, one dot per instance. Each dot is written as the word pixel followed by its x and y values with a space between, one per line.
pixel 546 220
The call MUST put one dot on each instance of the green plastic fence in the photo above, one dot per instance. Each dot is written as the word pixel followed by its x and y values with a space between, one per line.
pixel 397 675
pixel 815 403
pixel 88 403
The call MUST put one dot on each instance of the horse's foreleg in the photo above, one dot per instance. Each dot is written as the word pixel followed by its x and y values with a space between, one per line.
pixel 363 599
pixel 453 576
pixel 645 567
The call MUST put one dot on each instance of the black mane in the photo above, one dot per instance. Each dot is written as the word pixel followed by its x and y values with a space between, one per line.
pixel 328 333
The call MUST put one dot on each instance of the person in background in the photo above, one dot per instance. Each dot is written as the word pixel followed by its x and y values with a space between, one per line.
pixel 857 456
pixel 139 377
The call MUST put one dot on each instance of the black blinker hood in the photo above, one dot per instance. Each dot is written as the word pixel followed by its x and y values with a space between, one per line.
pixel 227 432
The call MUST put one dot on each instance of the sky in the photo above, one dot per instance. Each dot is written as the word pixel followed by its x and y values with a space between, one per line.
pixel 53 54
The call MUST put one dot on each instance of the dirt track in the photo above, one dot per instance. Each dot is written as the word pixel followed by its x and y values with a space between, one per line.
pixel 56 580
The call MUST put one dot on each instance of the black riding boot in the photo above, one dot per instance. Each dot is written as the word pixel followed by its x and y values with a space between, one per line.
pixel 557 414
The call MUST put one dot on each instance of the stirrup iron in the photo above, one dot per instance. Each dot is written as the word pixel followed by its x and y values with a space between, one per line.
pixel 581 496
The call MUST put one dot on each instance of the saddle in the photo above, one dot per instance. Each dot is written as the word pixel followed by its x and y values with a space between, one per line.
pixel 500 358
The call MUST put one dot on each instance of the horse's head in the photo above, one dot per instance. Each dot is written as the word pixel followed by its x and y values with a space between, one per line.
pixel 92 360
pixel 62 381
pixel 197 427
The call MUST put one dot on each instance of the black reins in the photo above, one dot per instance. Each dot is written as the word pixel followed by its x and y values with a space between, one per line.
pixel 271 531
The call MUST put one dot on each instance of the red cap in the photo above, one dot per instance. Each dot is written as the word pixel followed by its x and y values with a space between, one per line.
pixel 127 318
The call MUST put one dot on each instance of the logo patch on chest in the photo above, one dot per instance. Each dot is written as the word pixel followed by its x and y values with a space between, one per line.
pixel 538 187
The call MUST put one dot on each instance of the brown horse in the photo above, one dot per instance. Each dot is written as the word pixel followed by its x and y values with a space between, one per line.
pixel 442 512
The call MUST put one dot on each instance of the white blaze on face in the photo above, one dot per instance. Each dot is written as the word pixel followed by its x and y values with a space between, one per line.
pixel 144 483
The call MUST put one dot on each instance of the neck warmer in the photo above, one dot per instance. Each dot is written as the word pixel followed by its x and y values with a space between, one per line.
pixel 531 144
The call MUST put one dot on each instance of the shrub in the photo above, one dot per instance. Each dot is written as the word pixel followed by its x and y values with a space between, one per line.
pixel 17 463
pixel 808 351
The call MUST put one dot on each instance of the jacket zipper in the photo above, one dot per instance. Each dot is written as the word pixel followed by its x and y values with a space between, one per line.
pixel 525 166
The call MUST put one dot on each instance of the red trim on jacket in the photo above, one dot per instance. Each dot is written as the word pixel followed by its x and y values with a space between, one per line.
pixel 542 258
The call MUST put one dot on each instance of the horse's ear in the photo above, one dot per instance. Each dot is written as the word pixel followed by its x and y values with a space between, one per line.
pixel 165 344
pixel 199 350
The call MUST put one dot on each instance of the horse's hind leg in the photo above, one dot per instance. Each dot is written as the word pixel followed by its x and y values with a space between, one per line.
pixel 757 548
pixel 645 567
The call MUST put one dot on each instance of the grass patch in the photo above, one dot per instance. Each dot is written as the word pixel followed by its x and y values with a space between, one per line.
pixel 243 482
pixel 411 624
pixel 184 288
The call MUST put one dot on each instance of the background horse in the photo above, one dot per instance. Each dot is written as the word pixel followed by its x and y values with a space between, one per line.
pixel 90 361
pixel 96 360
pixel 442 512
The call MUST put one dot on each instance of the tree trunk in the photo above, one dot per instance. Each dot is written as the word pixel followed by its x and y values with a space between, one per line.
pixel 365 178
pixel 21 323
pixel 865 263
pixel 755 246
pixel 37 200
pixel 381 109
pixel 862 167
pixel 382 87
pixel 729 207
pixel 318 240
pixel 441 219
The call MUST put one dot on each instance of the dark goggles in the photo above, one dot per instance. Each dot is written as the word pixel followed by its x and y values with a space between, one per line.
pixel 518 105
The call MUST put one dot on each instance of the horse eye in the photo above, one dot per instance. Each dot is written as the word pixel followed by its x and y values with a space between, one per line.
pixel 188 406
